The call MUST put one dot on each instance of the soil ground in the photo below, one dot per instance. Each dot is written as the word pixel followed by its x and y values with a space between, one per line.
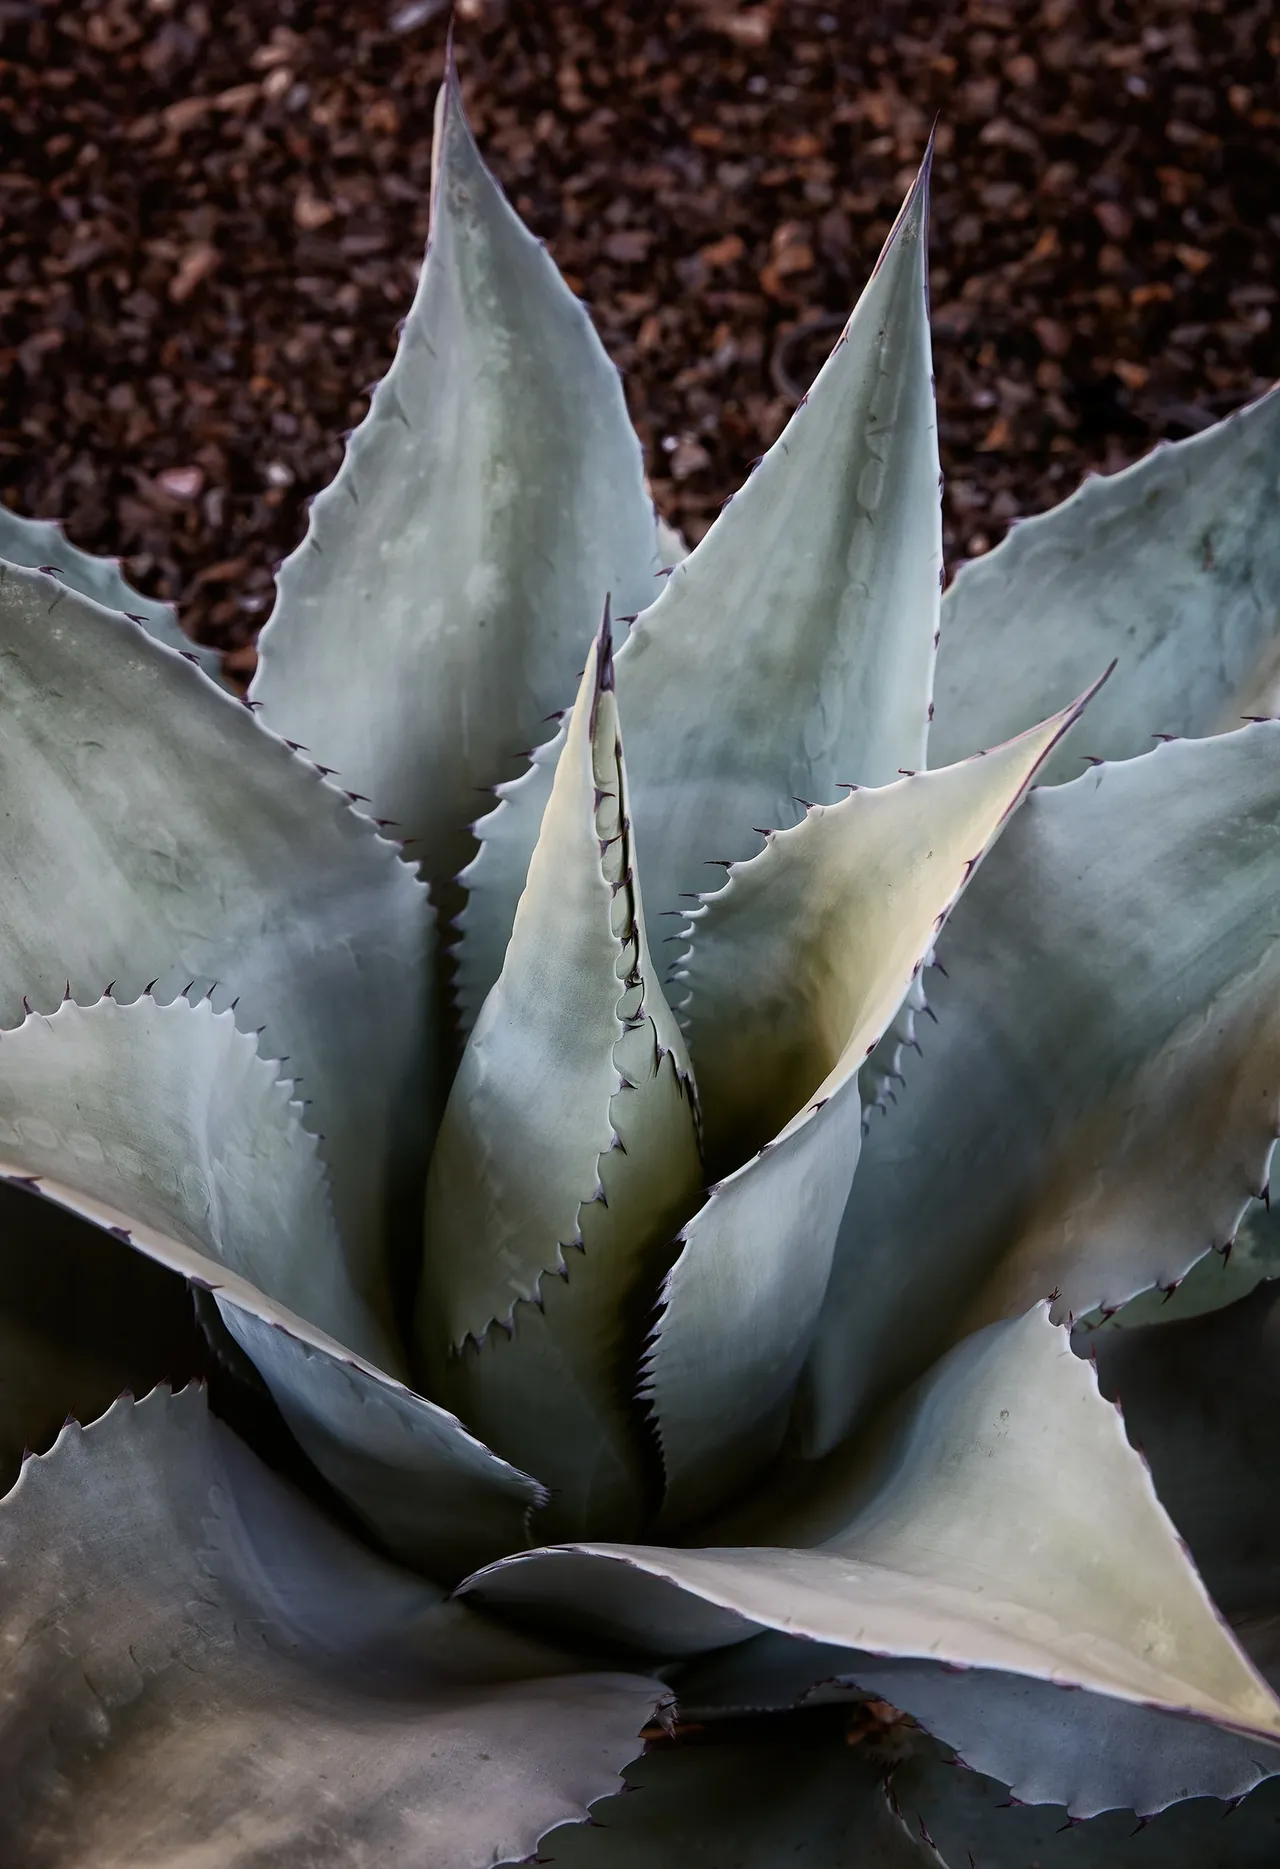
pixel 213 215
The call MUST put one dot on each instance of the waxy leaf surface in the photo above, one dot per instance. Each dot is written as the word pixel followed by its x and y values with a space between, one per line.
pixel 1172 566
pixel 438 608
pixel 797 967
pixel 1098 1101
pixel 196 1667
pixel 163 1124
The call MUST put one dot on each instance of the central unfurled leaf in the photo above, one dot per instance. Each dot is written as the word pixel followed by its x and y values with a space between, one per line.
pixel 434 615
pixel 793 649
pixel 797 967
pixel 568 1151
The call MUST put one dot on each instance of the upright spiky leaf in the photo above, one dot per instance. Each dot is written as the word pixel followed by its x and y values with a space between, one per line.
pixel 793 648
pixel 798 965
pixel 1172 567
pixel 436 610
pixel 1097 1104
pixel 153 831
pixel 575 1058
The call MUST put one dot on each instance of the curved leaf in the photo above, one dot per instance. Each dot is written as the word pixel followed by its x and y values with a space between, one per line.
pixel 495 877
pixel 1087 1752
pixel 1213 1282
pixel 764 1794
pixel 162 1124
pixel 793 648
pixel 168 1114
pixel 1202 1400
pixel 814 942
pixel 973 1821
pixel 196 1666
pixel 153 831
pixel 1001 1521
pixel 575 1057
pixel 436 610
pixel 42 545
pixel 797 967
pixel 1172 565
pixel 1096 1105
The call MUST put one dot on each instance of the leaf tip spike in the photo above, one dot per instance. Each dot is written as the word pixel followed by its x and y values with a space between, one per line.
pixel 604 649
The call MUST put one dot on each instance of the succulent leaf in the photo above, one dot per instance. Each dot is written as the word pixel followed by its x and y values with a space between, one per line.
pixel 974 1821
pixel 753 1799
pixel 162 1124
pixel 495 877
pixel 42 545
pixel 194 1663
pixel 436 610
pixel 1202 1400
pixel 1096 1105
pixel 1087 1752
pixel 203 846
pixel 168 1115
pixel 797 967
pixel 810 947
pixel 1171 565
pixel 197 1660
pixel 1002 1521
pixel 793 648
pixel 1216 1280
pixel 575 1059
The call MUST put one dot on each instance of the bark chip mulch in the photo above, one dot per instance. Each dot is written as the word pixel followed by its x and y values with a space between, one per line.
pixel 213 214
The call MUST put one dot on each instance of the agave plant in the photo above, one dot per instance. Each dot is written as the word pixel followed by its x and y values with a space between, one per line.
pixel 722 1420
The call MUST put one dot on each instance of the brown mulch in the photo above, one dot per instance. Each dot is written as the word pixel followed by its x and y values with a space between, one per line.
pixel 213 214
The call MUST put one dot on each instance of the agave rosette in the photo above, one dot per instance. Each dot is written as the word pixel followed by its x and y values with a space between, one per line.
pixel 732 1399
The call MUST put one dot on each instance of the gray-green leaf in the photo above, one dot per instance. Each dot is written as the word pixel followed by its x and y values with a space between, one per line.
pixel 1172 566
pixel 1049 1744
pixel 793 648
pixel 754 1798
pixel 153 831
pixel 162 1124
pixel 493 496
pixel 568 1147
pixel 1097 1103
pixel 797 967
pixel 196 1666
pixel 1001 1521
pixel 42 545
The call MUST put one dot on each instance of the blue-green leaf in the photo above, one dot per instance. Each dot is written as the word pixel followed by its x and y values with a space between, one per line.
pixel 437 609
pixel 196 1666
